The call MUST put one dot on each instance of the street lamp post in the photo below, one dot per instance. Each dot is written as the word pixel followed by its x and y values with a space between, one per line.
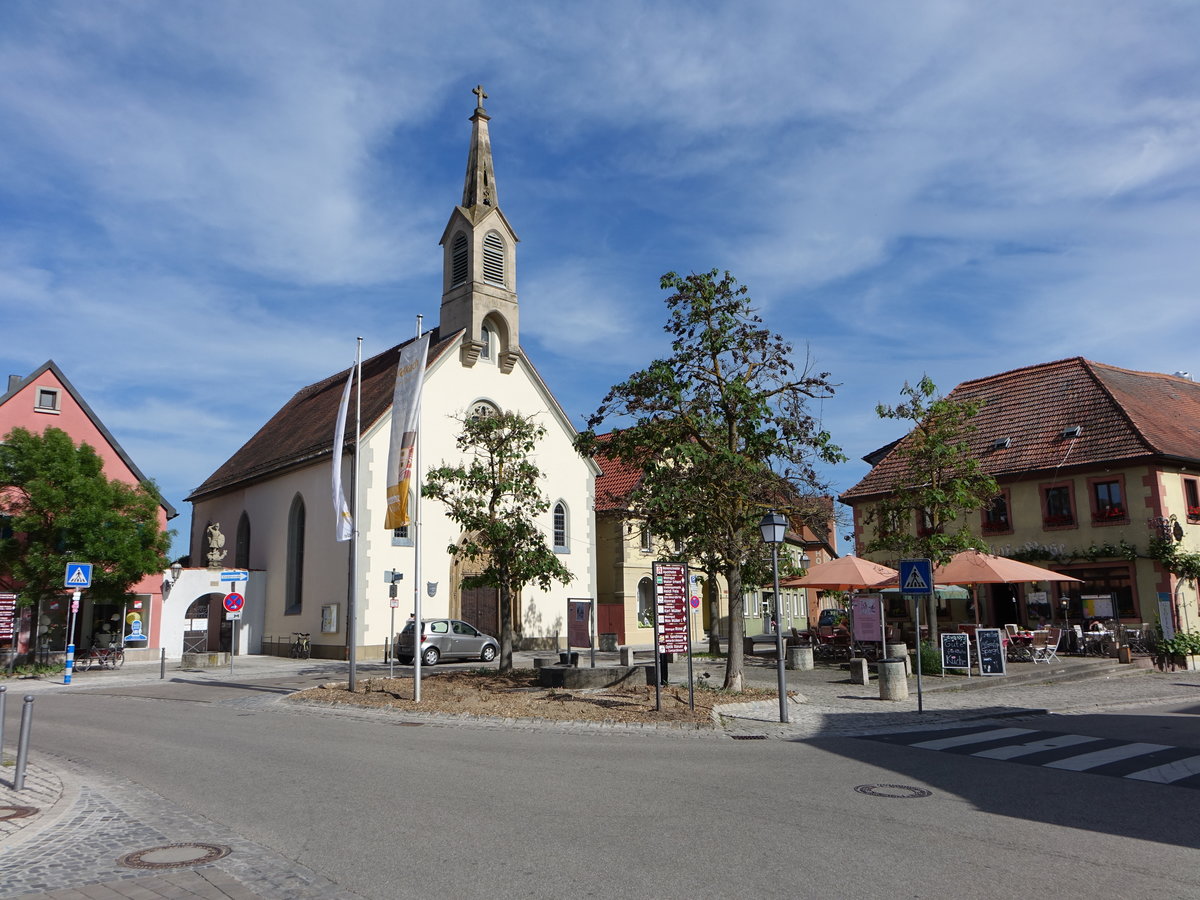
pixel 773 527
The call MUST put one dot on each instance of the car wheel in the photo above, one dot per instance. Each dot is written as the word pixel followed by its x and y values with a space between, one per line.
pixel 405 660
pixel 430 656
pixel 488 654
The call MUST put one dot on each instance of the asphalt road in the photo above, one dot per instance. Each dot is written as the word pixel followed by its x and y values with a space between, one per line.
pixel 388 810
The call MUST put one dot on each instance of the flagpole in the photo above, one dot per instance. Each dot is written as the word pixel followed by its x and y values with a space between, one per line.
pixel 352 592
pixel 418 629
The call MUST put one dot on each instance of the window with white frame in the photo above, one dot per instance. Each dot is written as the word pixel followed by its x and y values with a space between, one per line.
pixel 485 338
pixel 645 600
pixel 47 400
pixel 647 540
pixel 560 527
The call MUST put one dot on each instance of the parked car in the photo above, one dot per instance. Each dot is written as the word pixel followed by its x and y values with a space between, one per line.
pixel 831 618
pixel 446 639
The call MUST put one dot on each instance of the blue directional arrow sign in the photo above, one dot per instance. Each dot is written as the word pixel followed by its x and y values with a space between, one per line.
pixel 79 575
pixel 916 576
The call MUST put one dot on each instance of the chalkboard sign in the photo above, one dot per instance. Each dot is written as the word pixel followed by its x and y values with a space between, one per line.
pixel 956 651
pixel 991 651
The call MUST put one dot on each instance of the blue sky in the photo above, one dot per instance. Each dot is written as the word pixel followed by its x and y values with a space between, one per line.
pixel 204 203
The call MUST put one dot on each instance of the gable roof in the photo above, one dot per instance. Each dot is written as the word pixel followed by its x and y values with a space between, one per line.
pixel 617 480
pixel 1123 416
pixel 52 367
pixel 302 430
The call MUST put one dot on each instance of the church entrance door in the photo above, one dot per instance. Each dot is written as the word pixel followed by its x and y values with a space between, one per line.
pixel 481 608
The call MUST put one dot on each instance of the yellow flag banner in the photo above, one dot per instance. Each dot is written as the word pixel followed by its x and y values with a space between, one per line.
pixel 406 410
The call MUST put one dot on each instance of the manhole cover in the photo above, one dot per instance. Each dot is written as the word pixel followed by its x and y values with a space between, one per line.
pixel 894 791
pixel 173 856
pixel 16 812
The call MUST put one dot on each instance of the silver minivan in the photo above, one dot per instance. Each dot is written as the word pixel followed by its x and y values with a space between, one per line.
pixel 446 639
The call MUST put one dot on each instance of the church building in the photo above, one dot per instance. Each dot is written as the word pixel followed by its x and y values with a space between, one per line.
pixel 271 501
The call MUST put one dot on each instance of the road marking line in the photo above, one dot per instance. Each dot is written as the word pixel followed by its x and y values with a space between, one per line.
pixel 1100 757
pixel 978 737
pixel 1014 750
pixel 1169 772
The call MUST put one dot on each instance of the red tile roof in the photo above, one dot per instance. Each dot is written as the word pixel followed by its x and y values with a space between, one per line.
pixel 1123 416
pixel 615 482
pixel 302 430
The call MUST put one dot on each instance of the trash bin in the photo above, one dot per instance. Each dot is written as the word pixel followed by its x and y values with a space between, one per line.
pixel 893 683
pixel 569 658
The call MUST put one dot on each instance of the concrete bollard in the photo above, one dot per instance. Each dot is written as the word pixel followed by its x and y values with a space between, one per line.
pixel 800 658
pixel 900 651
pixel 626 655
pixel 893 685
pixel 858 671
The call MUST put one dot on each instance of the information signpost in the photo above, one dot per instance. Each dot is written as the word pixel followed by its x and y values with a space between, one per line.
pixel 670 619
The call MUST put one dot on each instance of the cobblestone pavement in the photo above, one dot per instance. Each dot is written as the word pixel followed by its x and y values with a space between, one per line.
pixel 70 847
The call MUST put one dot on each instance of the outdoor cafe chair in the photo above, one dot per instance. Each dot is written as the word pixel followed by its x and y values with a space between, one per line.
pixel 1037 647
pixel 1053 640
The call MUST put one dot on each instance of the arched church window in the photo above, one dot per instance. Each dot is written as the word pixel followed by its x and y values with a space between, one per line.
pixel 493 258
pixel 560 527
pixel 485 338
pixel 458 259
pixel 241 550
pixel 294 589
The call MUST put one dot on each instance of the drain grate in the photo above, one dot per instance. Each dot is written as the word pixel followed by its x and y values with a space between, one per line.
pixel 894 791
pixel 173 856
pixel 410 724
pixel 16 812
pixel 749 737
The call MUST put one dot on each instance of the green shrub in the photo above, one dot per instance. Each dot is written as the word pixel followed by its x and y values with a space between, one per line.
pixel 1185 643
pixel 931 659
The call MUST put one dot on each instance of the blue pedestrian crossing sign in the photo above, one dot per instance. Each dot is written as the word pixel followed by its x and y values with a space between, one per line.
pixel 916 576
pixel 79 575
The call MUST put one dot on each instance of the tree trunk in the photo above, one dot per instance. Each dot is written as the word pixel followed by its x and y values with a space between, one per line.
pixel 714 613
pixel 506 625
pixel 736 659
pixel 931 620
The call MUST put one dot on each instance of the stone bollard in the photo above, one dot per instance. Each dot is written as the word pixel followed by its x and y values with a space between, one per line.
pixel 858 671
pixel 893 685
pixel 626 654
pixel 900 651
pixel 800 658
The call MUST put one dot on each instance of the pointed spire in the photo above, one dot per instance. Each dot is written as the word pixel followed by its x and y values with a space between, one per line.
pixel 479 189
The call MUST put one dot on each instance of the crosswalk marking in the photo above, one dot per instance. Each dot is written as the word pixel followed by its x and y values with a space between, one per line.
pixel 978 737
pixel 1100 757
pixel 1138 760
pixel 1012 752
pixel 1171 772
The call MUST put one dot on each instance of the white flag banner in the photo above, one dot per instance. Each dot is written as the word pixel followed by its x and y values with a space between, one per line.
pixel 406 408
pixel 341 510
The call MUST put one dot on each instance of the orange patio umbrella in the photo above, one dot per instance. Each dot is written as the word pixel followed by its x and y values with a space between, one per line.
pixel 842 574
pixel 973 567
pixel 976 567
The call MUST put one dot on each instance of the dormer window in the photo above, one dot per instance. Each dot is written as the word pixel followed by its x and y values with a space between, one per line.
pixel 47 400
pixel 493 259
pixel 458 260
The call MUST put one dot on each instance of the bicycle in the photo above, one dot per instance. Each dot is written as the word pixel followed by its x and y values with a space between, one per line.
pixel 100 658
pixel 301 646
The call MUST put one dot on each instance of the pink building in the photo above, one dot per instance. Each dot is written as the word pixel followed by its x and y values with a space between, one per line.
pixel 46 399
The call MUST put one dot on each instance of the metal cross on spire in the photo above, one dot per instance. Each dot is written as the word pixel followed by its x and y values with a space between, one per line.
pixel 479 94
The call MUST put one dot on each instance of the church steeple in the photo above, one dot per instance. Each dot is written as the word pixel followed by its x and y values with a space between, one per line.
pixel 479 260
pixel 479 189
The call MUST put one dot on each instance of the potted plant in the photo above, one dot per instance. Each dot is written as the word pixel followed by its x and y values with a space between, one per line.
pixel 1180 652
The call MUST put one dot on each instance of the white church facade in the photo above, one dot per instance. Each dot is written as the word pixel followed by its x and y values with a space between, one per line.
pixel 272 499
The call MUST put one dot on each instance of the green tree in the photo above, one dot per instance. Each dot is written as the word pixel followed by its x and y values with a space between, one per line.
pixel 61 507
pixel 936 483
pixel 494 496
pixel 721 429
